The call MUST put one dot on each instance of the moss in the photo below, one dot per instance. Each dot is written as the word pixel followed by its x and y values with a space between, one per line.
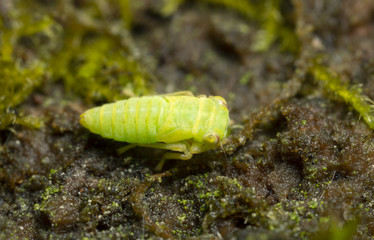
pixel 352 95
pixel 170 7
pixel 299 168
pixel 108 73
pixel 125 10
pixel 104 75
pixel 273 25
pixel 112 71
pixel 19 76
pixel 331 229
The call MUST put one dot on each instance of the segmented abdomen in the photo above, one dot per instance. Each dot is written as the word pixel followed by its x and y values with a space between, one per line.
pixel 135 120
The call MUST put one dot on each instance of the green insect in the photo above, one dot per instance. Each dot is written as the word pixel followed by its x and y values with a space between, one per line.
pixel 179 122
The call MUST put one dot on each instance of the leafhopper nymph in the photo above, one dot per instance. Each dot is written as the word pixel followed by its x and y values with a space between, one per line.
pixel 179 122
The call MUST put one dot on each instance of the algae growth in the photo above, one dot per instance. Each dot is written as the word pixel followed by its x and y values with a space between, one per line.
pixel 297 165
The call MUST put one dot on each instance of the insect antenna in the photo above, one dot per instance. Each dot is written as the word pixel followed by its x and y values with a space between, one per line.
pixel 11 129
pixel 224 152
pixel 8 137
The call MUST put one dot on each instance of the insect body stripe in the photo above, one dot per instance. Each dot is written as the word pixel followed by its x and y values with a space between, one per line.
pixel 106 115
pixel 205 115
pixel 130 115
pixel 101 119
pixel 136 135
pixel 161 116
pixel 198 118
pixel 146 118
pixel 160 112
pixel 113 116
pixel 212 116
pixel 155 116
pixel 141 121
pixel 124 115
pixel 118 121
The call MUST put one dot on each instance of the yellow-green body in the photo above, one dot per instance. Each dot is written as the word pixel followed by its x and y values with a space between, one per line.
pixel 181 123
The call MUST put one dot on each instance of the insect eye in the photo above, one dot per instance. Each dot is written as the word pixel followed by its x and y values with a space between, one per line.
pixel 221 101
pixel 211 138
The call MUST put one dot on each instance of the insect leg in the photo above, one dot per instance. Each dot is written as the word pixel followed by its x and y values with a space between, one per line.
pixel 197 147
pixel 170 155
pixel 178 146
pixel 183 147
pixel 179 156
pixel 126 148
